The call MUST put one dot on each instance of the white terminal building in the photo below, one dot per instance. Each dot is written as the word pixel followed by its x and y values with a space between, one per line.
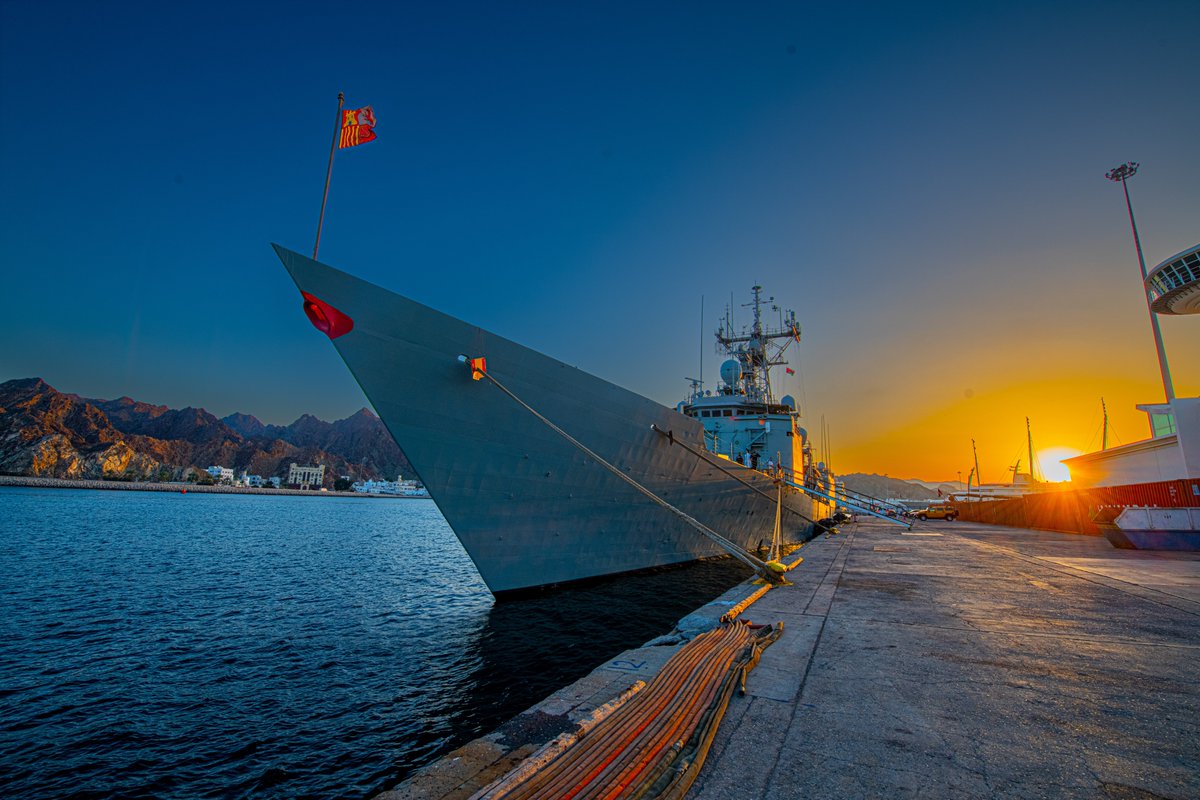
pixel 1174 285
pixel 1173 450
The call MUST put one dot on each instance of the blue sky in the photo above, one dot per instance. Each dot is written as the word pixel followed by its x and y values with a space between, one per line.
pixel 923 183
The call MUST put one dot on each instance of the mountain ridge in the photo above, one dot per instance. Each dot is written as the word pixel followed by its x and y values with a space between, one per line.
pixel 48 433
pixel 885 487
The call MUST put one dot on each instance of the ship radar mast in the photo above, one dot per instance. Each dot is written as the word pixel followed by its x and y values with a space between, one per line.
pixel 757 350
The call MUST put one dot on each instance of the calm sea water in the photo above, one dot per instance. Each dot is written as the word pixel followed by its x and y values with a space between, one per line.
pixel 183 646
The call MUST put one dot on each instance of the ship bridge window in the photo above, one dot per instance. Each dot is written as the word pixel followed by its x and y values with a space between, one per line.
pixel 1162 425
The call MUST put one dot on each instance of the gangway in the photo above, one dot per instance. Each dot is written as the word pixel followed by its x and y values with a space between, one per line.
pixel 853 505
pixel 874 502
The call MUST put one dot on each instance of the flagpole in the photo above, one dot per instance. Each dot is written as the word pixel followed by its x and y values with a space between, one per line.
pixel 337 128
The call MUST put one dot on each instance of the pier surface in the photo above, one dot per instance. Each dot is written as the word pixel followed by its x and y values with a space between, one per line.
pixel 956 660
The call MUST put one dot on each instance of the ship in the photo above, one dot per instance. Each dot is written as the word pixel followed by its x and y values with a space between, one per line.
pixel 1142 495
pixel 549 475
pixel 1145 495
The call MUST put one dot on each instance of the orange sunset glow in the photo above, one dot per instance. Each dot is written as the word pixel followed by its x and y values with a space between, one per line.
pixel 1050 466
pixel 1065 420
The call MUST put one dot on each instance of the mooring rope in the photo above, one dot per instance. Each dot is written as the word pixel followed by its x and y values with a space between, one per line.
pixel 714 461
pixel 734 549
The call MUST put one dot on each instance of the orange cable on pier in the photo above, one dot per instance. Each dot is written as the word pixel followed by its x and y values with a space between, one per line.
pixel 654 745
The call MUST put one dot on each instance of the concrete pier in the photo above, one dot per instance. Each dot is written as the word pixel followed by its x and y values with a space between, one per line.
pixel 957 660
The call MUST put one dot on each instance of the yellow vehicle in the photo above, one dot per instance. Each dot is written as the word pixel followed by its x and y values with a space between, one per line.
pixel 949 513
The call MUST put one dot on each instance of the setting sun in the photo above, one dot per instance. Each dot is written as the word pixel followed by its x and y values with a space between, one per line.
pixel 1050 463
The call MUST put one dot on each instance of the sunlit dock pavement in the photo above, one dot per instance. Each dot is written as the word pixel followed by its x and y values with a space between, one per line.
pixel 984 662
pixel 959 660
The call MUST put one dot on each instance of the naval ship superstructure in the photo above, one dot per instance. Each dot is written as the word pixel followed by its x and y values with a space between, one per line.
pixel 742 420
pixel 530 508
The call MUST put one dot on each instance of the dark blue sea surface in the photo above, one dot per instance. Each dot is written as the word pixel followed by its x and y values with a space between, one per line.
pixel 183 646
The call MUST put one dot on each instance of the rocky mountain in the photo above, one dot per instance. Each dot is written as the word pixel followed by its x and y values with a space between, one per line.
pixel 885 487
pixel 246 424
pixel 360 438
pixel 46 432
pixel 189 424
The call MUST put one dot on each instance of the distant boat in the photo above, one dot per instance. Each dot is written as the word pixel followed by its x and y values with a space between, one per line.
pixel 1023 483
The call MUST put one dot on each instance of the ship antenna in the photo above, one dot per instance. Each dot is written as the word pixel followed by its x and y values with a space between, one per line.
pixel 702 341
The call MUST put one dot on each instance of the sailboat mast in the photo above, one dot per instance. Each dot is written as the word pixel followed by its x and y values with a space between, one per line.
pixel 1104 436
pixel 1029 442
pixel 828 453
pixel 978 476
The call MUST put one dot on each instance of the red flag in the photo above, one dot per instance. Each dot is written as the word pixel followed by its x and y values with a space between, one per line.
pixel 358 127
pixel 789 370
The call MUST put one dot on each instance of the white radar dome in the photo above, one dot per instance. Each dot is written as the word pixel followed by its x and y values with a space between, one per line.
pixel 731 372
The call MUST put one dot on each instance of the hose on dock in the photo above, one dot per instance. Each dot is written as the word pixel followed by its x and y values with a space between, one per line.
pixel 555 747
pixel 479 371
pixel 652 748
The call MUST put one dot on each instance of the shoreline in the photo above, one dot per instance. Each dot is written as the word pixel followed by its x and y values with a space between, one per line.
pixel 180 488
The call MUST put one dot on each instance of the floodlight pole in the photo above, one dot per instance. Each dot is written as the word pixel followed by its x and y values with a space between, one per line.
pixel 1119 175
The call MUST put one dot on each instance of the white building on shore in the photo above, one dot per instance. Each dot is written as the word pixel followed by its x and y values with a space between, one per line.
pixel 304 477
pixel 396 487
pixel 221 474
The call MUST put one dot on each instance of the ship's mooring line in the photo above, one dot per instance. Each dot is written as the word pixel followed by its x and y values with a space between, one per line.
pixel 710 459
pixel 731 547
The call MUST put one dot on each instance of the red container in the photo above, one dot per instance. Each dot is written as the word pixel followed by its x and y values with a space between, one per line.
pixel 1078 510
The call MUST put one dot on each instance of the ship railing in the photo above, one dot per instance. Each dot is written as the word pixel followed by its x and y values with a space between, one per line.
pixel 853 506
pixel 875 502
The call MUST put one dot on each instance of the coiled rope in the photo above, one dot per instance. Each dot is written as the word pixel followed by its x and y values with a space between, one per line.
pixel 734 549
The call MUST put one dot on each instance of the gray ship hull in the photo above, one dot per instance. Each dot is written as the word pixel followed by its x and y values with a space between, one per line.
pixel 530 509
